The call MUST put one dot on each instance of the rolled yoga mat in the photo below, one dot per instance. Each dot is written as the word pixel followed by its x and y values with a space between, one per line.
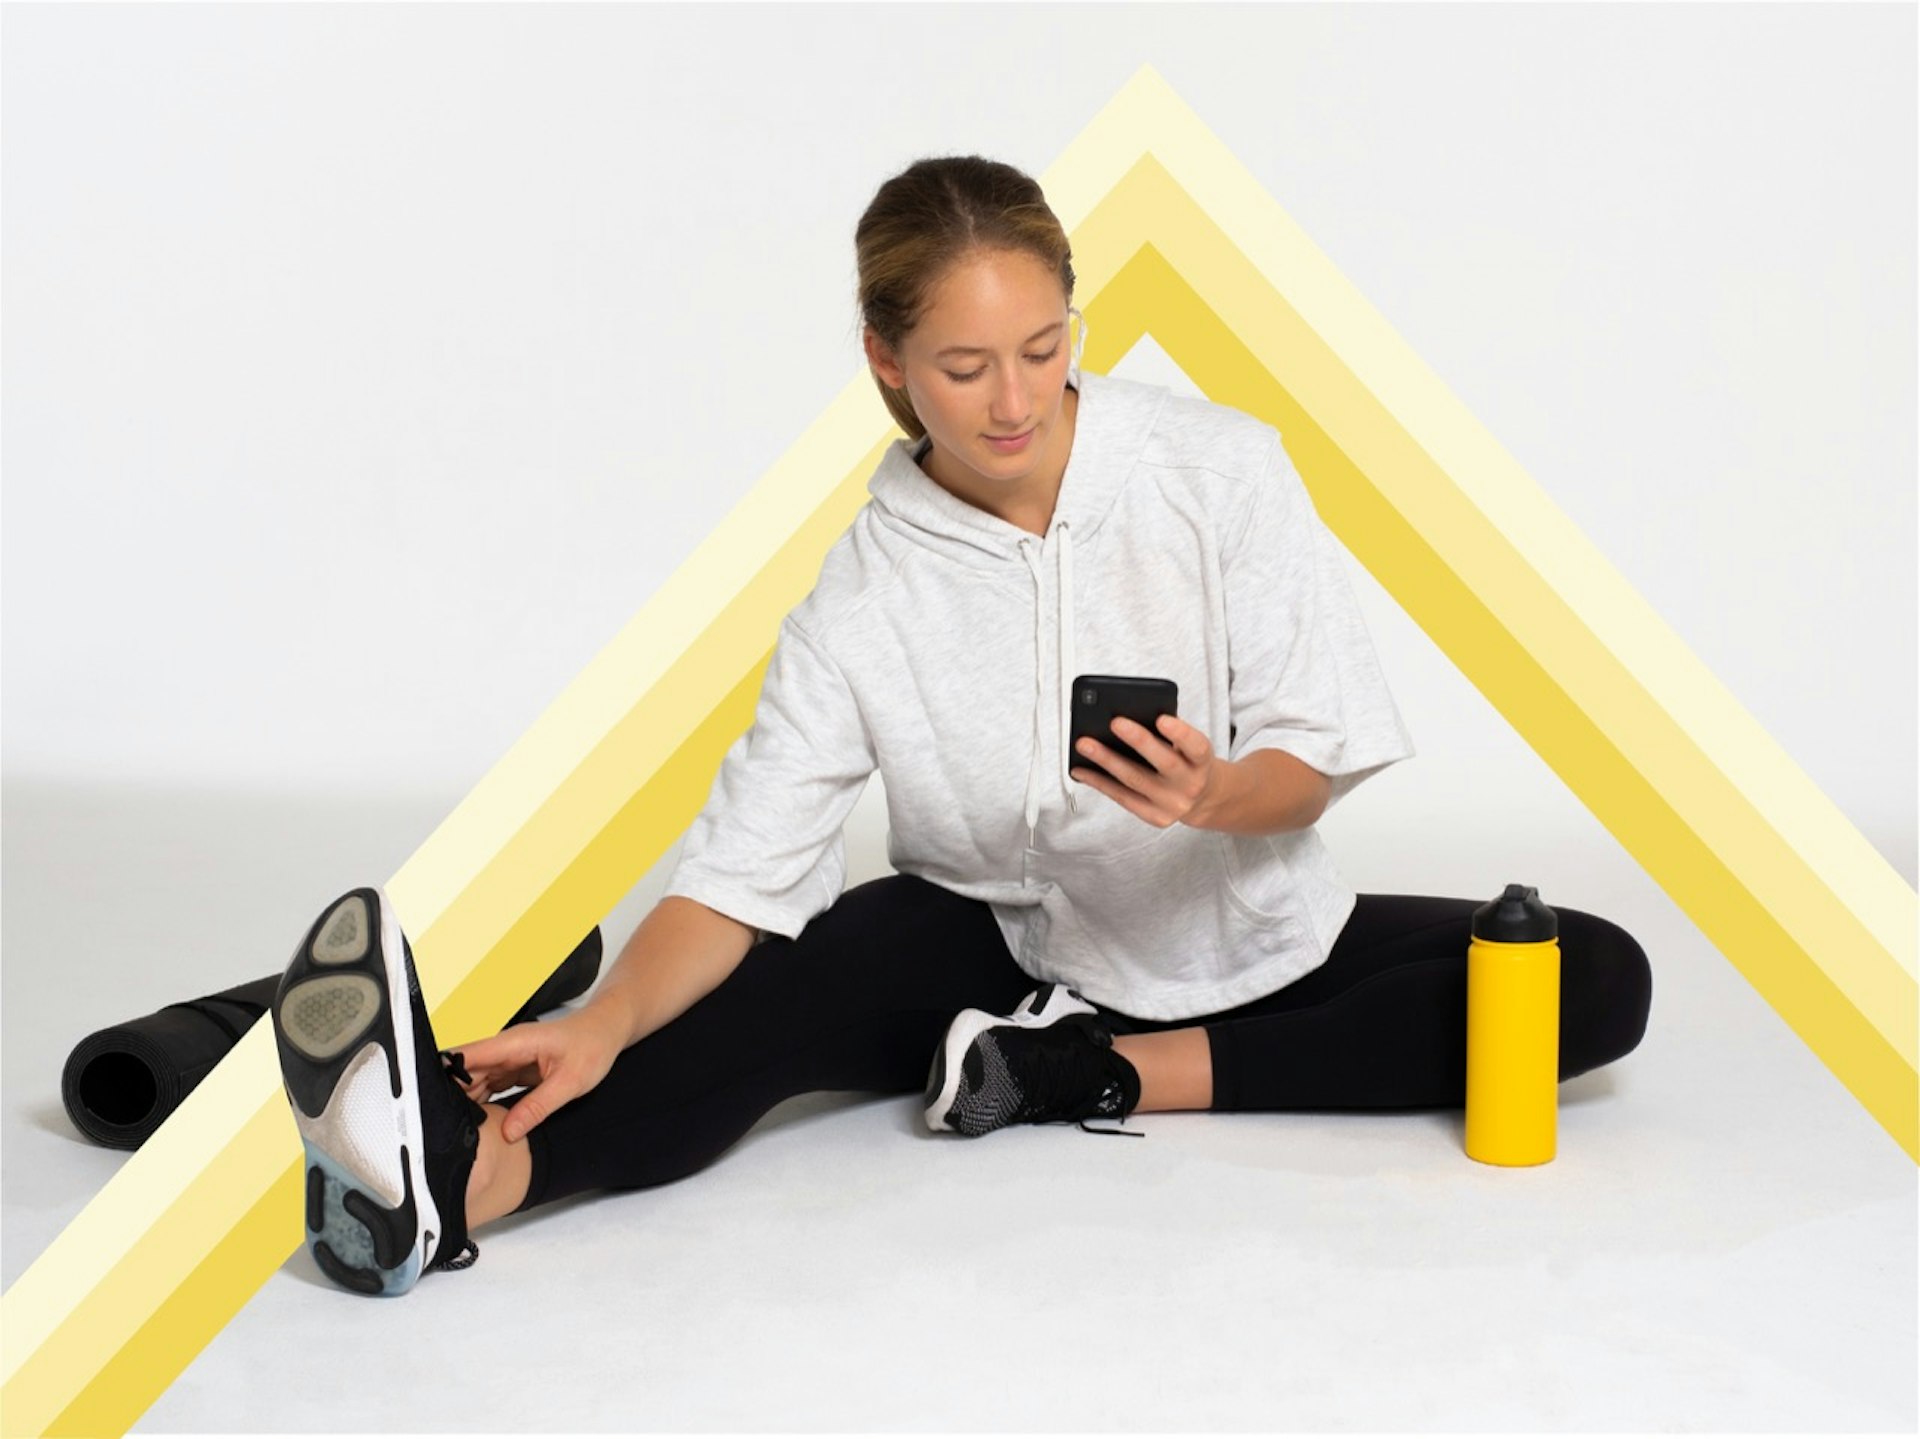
pixel 121 1083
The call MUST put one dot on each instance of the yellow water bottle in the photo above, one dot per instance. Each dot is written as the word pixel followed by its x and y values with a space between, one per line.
pixel 1513 1030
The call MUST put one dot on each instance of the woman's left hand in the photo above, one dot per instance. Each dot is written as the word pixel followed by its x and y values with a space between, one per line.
pixel 1185 774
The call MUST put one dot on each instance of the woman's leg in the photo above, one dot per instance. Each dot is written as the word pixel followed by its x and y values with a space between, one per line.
pixel 1383 1023
pixel 1175 1065
pixel 859 1001
pixel 502 1169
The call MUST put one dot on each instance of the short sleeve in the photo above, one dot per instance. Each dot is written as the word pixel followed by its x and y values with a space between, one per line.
pixel 768 849
pixel 1303 675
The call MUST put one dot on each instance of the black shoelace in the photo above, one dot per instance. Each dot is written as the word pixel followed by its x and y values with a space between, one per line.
pixel 469 1251
pixel 1059 1086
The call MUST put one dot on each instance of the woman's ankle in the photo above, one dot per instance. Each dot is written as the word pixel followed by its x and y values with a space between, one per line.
pixel 501 1172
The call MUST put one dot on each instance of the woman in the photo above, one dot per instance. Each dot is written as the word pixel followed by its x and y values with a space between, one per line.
pixel 1068 936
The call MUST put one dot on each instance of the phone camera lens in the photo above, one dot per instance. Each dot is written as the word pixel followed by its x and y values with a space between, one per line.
pixel 1088 696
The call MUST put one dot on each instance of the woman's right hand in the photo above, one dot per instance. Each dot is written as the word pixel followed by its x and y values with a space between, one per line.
pixel 561 1058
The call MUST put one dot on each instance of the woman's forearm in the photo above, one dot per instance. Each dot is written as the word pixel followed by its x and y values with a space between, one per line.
pixel 680 953
pixel 1266 792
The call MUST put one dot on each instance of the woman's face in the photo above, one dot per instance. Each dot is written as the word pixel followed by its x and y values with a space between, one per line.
pixel 989 359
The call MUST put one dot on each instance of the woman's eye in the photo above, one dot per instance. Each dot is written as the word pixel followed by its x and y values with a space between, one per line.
pixel 1037 359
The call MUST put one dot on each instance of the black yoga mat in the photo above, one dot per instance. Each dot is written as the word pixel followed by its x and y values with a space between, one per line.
pixel 121 1083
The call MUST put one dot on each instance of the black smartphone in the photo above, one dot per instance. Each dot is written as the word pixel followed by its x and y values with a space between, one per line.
pixel 1097 699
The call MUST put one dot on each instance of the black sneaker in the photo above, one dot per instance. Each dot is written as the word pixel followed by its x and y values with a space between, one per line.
pixel 1051 1059
pixel 389 1133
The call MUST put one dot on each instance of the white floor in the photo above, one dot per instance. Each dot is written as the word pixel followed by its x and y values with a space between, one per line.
pixel 1725 1241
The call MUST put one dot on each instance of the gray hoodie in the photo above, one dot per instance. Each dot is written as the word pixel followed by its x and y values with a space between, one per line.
pixel 939 646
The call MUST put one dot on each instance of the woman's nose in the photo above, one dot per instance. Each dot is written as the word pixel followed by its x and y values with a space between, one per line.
pixel 1011 404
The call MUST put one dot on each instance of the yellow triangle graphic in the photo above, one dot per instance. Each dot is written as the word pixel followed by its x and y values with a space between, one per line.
pixel 1169 234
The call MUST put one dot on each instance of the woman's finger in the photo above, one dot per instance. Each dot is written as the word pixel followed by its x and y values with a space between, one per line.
pixel 1146 742
pixel 509 1046
pixel 538 1103
pixel 1176 732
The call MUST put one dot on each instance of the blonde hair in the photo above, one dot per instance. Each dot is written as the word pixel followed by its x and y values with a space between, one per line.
pixel 927 218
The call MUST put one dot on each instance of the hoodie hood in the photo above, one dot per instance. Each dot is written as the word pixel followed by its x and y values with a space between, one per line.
pixel 1111 427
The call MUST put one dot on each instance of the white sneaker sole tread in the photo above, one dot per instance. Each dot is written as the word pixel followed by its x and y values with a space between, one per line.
pixel 343 1021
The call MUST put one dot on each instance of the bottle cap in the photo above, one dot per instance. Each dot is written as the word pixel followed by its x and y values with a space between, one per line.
pixel 1517 917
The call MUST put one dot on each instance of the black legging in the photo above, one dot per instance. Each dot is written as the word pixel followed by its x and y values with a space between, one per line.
pixel 860 1000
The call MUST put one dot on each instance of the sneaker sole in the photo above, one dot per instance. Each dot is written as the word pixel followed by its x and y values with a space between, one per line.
pixel 343 1022
pixel 1043 1007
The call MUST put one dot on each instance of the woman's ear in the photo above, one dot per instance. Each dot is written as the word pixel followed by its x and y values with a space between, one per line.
pixel 881 358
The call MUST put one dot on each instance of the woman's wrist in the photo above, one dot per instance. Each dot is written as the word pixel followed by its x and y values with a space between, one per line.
pixel 607 1012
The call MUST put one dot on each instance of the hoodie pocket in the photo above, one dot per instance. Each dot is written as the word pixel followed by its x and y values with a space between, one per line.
pixel 1256 877
pixel 1158 913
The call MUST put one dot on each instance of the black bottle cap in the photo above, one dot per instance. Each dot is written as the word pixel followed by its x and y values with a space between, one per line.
pixel 1517 917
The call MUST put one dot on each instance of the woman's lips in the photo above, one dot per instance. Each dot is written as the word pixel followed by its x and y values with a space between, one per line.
pixel 1014 445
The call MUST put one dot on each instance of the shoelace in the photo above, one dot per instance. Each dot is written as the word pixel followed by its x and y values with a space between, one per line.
pixel 469 1251
pixel 1059 1086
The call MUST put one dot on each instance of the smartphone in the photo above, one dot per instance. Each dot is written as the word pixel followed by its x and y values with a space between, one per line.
pixel 1097 699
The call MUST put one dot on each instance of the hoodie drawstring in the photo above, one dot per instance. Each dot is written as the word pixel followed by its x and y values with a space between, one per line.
pixel 1066 660
pixel 1063 697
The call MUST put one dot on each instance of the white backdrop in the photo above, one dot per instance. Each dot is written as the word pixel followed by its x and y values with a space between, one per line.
pixel 366 368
